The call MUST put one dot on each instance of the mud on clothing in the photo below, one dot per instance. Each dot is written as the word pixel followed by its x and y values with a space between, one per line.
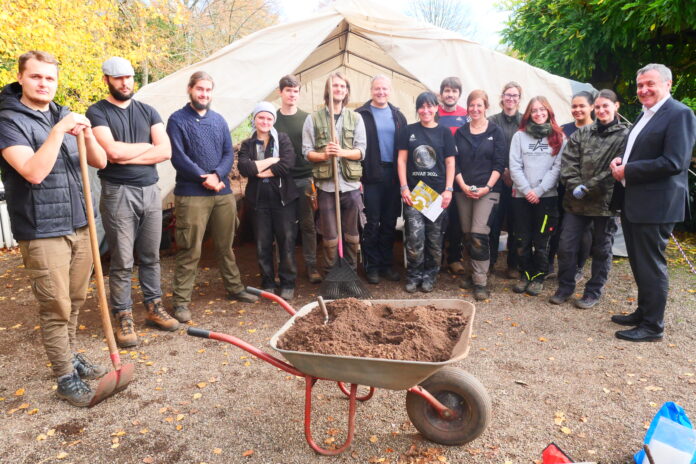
pixel 427 149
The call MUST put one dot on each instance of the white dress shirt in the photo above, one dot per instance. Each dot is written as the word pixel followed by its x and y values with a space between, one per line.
pixel 648 114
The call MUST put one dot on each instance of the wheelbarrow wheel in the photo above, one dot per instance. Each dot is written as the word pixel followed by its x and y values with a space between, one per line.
pixel 462 393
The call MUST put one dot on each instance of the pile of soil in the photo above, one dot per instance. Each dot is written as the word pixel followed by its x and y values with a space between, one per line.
pixel 357 328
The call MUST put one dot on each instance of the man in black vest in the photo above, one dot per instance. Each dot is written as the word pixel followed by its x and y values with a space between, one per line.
pixel 40 171
pixel 383 121
pixel 652 193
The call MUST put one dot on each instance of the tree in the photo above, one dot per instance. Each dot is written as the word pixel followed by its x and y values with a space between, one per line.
pixel 447 14
pixel 606 41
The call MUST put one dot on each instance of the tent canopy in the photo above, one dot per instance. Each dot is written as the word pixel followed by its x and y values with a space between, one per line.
pixel 361 38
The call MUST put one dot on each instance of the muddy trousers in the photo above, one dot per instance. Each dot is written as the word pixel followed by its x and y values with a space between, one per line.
pixel 534 224
pixel 217 213
pixel 475 217
pixel 59 269
pixel 351 204
pixel 423 246
pixel 574 230
pixel 305 216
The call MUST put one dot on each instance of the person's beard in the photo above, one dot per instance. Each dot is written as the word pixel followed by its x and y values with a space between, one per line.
pixel 200 106
pixel 117 94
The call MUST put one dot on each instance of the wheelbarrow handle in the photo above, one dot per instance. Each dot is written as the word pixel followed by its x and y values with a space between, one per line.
pixel 272 296
pixel 196 332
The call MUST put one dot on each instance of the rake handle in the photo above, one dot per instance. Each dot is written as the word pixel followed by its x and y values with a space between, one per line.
pixel 96 258
pixel 337 192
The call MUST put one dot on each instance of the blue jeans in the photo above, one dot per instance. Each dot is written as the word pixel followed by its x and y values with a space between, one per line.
pixel 382 203
pixel 132 218
pixel 423 246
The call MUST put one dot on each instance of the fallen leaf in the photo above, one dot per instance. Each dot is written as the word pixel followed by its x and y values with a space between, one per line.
pixel 148 460
pixel 179 427
pixel 196 395
pixel 217 451
pixel 41 437
pixel 373 439
pixel 32 412
pixel 201 384
pixel 19 392
pixel 62 455
pixel 566 430
pixel 180 417
pixel 248 453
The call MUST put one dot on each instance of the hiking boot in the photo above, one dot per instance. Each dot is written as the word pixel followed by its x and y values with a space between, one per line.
pixel 427 286
pixel 313 275
pixel 287 293
pixel 157 316
pixel 72 389
pixel 125 330
pixel 466 283
pixel 521 286
pixel 481 293
pixel 243 296
pixel 182 313
pixel 558 298
pixel 372 276
pixel 586 302
pixel 85 369
pixel 411 286
pixel 456 268
pixel 535 287
pixel 390 274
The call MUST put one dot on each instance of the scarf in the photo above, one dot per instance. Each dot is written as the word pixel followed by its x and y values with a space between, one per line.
pixel 538 131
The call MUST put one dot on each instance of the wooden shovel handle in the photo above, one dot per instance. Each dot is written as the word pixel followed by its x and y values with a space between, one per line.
pixel 337 191
pixel 94 242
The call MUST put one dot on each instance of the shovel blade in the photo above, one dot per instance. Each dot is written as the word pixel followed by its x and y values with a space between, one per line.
pixel 112 383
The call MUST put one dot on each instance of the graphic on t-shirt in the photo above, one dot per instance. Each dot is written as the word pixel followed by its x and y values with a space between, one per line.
pixel 539 145
pixel 424 156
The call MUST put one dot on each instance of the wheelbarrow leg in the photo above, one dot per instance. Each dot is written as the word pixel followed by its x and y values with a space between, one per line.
pixel 309 384
pixel 365 397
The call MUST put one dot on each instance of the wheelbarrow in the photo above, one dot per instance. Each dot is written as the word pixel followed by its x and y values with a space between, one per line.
pixel 447 405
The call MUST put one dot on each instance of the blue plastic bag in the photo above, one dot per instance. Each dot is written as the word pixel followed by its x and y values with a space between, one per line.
pixel 671 411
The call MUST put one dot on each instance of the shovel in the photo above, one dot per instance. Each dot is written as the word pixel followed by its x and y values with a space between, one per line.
pixel 118 379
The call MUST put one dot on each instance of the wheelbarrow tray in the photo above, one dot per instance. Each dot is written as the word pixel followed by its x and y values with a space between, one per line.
pixel 377 372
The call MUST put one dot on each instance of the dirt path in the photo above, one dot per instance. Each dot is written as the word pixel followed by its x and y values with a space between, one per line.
pixel 554 373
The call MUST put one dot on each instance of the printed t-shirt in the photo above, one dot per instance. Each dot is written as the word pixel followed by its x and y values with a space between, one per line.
pixel 452 119
pixel 427 149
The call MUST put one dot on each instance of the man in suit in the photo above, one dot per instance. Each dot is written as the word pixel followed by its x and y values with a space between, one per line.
pixel 653 173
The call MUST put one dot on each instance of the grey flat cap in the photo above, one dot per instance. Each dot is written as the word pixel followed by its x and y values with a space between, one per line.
pixel 117 67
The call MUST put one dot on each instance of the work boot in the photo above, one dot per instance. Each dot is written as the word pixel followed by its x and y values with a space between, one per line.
pixel 313 274
pixel 466 283
pixel 521 285
pixel 72 389
pixel 246 297
pixel 481 293
pixel 85 369
pixel 372 276
pixel 125 330
pixel 457 268
pixel 182 313
pixel 535 287
pixel 390 274
pixel 287 293
pixel 158 317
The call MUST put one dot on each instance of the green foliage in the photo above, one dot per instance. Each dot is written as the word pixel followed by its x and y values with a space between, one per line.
pixel 604 42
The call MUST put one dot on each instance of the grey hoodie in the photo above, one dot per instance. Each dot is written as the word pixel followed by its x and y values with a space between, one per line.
pixel 532 167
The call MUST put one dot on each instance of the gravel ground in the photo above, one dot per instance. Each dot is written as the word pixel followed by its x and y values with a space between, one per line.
pixel 554 373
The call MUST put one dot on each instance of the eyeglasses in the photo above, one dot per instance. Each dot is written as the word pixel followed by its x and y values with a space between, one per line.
pixel 539 110
pixel 511 96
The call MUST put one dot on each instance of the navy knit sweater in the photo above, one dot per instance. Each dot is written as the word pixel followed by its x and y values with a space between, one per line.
pixel 200 145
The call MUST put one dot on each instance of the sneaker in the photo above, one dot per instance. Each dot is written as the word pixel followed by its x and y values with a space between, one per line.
pixel 125 330
pixel 157 316
pixel 182 313
pixel 427 286
pixel 243 296
pixel 287 293
pixel 390 274
pixel 456 268
pixel 85 369
pixel 586 302
pixel 558 298
pixel 535 287
pixel 411 286
pixel 72 389
pixel 481 293
pixel 466 283
pixel 313 275
pixel 372 276
pixel 521 286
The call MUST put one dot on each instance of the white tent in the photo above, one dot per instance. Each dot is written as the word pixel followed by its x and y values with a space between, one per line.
pixel 361 38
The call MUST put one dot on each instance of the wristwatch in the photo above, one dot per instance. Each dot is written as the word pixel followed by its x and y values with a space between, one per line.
pixel 489 187
pixel 449 189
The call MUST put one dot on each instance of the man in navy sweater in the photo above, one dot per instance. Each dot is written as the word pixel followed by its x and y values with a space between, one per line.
pixel 202 155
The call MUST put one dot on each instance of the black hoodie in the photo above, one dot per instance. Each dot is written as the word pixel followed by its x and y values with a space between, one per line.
pixel 55 207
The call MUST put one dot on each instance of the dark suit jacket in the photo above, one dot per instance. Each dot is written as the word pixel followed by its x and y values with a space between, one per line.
pixel 656 173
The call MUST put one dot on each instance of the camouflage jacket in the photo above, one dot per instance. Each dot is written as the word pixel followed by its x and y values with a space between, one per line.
pixel 586 162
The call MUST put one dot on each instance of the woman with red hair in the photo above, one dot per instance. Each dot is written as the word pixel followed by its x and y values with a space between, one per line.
pixel 535 164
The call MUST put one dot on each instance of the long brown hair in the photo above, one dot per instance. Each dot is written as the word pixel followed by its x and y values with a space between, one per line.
pixel 556 136
pixel 328 88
